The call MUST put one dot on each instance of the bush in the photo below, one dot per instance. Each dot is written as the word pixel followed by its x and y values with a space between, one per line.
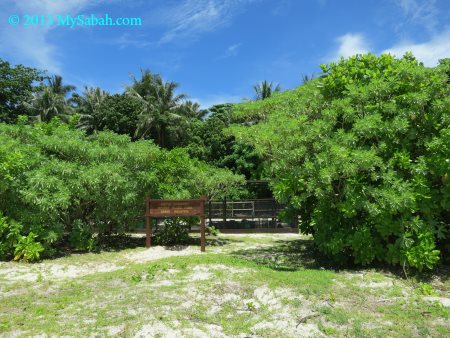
pixel 212 230
pixel 82 237
pixel 66 187
pixel 174 231
pixel 362 154
pixel 13 242
pixel 27 249
pixel 9 235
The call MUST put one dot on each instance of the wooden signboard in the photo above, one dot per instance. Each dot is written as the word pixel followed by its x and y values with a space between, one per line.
pixel 175 208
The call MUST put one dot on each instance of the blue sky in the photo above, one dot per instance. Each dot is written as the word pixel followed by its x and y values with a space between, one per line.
pixel 217 49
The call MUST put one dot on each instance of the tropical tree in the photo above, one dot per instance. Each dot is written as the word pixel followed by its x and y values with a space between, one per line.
pixel 118 113
pixel 47 105
pixel 61 188
pixel 362 156
pixel 50 101
pixel 307 78
pixel 146 85
pixel 56 85
pixel 265 89
pixel 88 106
pixel 162 107
pixel 17 86
pixel 210 142
pixel 192 110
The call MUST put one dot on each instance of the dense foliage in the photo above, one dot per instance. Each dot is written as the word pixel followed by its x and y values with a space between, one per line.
pixel 209 142
pixel 118 113
pixel 175 231
pixel 17 86
pixel 57 184
pixel 149 108
pixel 363 155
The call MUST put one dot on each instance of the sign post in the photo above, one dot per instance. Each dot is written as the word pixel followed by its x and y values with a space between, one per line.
pixel 175 208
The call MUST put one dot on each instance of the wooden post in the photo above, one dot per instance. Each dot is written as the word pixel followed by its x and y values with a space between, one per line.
pixel 210 213
pixel 224 213
pixel 295 220
pixel 202 226
pixel 274 214
pixel 175 208
pixel 148 239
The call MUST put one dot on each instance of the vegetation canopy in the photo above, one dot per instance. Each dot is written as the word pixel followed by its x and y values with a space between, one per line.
pixel 60 186
pixel 363 155
pixel 360 153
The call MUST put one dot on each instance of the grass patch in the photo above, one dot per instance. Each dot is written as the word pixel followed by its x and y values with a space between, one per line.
pixel 233 289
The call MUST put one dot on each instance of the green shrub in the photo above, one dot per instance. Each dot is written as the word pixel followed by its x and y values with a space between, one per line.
pixel 13 243
pixel 174 231
pixel 81 237
pixel 9 236
pixel 27 249
pixel 212 230
pixel 362 154
pixel 67 188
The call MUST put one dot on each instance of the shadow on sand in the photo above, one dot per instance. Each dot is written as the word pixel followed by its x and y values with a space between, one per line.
pixel 300 254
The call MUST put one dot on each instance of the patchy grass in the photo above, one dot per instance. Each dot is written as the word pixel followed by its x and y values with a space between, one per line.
pixel 244 286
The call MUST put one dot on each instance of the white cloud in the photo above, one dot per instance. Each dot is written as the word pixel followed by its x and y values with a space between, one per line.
pixel 428 52
pixel 282 7
pixel 231 51
pixel 52 6
pixel 423 12
pixel 193 17
pixel 350 44
pixel 126 40
pixel 31 44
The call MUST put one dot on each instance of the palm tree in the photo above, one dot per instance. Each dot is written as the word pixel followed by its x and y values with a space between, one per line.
pixel 162 106
pixel 146 85
pixel 265 89
pixel 192 110
pixel 48 105
pixel 88 105
pixel 55 82
pixel 306 78
pixel 51 101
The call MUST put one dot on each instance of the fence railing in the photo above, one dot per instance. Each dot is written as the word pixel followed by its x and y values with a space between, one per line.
pixel 254 213
pixel 246 214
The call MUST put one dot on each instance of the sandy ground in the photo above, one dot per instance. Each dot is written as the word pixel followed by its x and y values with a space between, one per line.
pixel 159 252
pixel 51 270
pixel 282 317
